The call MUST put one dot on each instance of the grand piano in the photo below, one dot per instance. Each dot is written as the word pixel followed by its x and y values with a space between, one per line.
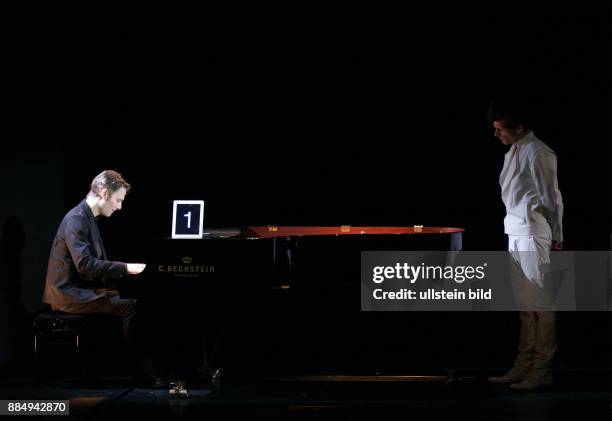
pixel 284 297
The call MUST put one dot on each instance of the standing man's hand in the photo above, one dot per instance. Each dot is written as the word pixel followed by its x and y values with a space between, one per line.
pixel 557 246
pixel 135 268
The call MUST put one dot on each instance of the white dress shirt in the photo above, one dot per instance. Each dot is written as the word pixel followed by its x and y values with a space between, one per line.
pixel 530 190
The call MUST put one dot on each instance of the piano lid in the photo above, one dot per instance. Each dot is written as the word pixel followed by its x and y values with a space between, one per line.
pixel 272 231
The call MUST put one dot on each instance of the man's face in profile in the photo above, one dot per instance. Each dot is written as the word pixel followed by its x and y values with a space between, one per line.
pixel 110 203
pixel 507 135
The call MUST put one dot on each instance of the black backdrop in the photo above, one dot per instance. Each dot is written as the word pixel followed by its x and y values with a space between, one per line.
pixel 363 124
pixel 372 126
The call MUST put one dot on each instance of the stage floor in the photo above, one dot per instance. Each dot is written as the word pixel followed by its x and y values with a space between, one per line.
pixel 578 394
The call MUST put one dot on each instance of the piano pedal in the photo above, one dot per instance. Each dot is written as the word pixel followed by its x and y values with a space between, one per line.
pixel 215 374
pixel 178 390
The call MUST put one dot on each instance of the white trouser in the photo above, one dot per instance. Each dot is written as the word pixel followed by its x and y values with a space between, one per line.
pixel 532 254
pixel 530 272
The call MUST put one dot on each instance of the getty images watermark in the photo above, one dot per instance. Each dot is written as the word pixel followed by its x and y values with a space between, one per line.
pixel 485 281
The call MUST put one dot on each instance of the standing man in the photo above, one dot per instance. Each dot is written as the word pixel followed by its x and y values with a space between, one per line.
pixel 534 211
pixel 79 275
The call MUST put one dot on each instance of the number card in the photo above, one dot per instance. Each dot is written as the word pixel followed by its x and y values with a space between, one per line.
pixel 187 218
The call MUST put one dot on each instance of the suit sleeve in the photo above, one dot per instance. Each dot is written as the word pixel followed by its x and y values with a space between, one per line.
pixel 82 253
pixel 544 170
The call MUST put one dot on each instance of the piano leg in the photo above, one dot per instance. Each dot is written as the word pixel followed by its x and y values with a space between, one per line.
pixel 210 363
pixel 456 240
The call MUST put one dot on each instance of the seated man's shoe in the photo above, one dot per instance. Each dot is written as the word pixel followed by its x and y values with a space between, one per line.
pixel 514 375
pixel 199 380
pixel 159 383
pixel 534 380
pixel 148 374
pixel 150 382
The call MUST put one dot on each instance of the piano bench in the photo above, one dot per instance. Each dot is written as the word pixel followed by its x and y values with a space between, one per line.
pixel 57 328
pixel 59 348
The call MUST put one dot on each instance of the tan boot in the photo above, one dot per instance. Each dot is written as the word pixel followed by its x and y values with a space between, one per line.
pixel 515 374
pixel 522 366
pixel 535 378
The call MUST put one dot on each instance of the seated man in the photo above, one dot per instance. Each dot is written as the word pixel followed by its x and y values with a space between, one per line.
pixel 79 275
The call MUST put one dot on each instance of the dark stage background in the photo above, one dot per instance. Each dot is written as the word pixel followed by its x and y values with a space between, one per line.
pixel 363 124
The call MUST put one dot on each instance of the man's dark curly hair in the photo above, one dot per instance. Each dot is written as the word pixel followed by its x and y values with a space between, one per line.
pixel 511 111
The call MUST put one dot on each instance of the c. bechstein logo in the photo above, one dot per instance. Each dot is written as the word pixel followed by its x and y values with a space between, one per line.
pixel 186 267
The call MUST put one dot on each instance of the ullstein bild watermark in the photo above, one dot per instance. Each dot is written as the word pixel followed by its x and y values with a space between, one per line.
pixel 485 281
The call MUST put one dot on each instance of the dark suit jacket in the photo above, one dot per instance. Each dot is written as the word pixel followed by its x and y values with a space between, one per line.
pixel 77 263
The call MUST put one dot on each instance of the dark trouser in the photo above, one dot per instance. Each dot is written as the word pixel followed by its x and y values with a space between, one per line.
pixel 139 356
pixel 180 340
pixel 123 308
pixel 166 342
